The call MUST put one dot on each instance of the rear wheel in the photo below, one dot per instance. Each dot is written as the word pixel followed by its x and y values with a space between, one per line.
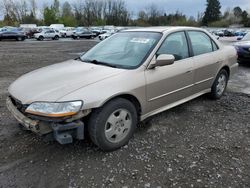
pixel 112 126
pixel 56 37
pixel 219 85
pixel 19 38
pixel 40 38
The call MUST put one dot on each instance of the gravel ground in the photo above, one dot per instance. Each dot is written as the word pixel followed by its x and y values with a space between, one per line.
pixel 202 143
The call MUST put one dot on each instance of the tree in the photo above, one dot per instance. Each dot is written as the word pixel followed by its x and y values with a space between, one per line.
pixel 237 11
pixel 67 17
pixel 245 19
pixel 212 12
pixel 78 7
pixel 33 7
pixel 49 16
pixel 153 14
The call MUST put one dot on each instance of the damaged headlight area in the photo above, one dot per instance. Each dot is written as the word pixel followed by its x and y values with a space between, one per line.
pixel 54 109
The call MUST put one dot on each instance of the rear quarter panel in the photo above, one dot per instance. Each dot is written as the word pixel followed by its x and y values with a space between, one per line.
pixel 229 58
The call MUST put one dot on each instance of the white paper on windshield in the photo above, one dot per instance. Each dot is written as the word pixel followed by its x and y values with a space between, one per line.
pixel 140 40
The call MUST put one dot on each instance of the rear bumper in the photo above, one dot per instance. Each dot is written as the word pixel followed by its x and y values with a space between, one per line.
pixel 64 133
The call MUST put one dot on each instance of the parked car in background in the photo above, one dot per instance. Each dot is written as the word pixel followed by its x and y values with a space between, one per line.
pixel 57 26
pixel 67 31
pixel 82 32
pixel 243 49
pixel 106 35
pixel 29 32
pixel 47 34
pixel 9 28
pixel 133 75
pixel 228 33
pixel 97 31
pixel 31 26
pixel 219 33
pixel 240 34
pixel 12 35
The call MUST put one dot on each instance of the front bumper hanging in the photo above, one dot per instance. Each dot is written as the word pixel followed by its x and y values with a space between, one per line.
pixel 64 133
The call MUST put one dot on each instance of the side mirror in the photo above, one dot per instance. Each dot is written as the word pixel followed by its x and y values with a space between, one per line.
pixel 162 60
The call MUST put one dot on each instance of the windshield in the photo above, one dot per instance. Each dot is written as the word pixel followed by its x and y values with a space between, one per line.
pixel 123 50
pixel 247 36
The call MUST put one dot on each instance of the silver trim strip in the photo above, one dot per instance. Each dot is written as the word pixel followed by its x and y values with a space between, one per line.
pixel 166 94
pixel 186 87
pixel 174 104
pixel 200 82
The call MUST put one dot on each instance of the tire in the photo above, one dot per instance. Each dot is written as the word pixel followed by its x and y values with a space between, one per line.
pixel 19 38
pixel 219 85
pixel 41 38
pixel 56 37
pixel 112 126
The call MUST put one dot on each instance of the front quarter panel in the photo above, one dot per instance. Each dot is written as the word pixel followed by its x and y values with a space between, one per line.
pixel 130 82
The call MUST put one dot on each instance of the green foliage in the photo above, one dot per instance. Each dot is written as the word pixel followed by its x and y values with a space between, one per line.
pixel 67 18
pixel 29 19
pixel 220 23
pixel 212 12
pixel 245 19
pixel 49 16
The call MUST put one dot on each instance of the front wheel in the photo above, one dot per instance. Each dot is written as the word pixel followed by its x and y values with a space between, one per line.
pixel 41 38
pixel 113 125
pixel 219 85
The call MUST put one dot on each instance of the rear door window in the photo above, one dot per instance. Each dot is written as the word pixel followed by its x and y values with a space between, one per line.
pixel 201 43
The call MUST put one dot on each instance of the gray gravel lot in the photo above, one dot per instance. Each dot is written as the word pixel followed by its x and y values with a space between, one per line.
pixel 202 143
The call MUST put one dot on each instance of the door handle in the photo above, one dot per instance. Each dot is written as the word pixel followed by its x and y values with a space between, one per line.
pixel 189 71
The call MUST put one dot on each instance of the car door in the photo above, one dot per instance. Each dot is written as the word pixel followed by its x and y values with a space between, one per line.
pixel 51 34
pixel 171 83
pixel 206 60
pixel 46 34
pixel 84 33
pixel 6 35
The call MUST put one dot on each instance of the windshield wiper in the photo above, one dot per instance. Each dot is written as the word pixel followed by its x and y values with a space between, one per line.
pixel 96 62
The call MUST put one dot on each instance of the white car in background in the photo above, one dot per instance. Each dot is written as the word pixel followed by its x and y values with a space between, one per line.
pixel 106 35
pixel 67 32
pixel 47 34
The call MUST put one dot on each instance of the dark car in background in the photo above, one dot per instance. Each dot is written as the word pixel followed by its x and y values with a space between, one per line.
pixel 83 33
pixel 243 50
pixel 12 35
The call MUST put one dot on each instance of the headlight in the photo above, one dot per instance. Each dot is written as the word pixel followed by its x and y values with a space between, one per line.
pixel 57 109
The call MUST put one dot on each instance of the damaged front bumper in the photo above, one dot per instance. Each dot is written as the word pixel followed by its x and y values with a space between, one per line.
pixel 64 132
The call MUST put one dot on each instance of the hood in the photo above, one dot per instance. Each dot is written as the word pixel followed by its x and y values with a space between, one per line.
pixel 53 82
pixel 243 43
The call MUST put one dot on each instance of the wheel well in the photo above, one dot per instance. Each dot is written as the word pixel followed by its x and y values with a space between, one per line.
pixel 227 69
pixel 132 99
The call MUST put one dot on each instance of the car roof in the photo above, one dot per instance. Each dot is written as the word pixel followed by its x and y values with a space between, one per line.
pixel 163 29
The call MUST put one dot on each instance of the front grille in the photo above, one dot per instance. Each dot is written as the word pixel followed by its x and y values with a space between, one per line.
pixel 18 104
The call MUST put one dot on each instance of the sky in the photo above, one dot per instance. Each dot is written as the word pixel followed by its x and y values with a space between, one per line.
pixel 187 7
